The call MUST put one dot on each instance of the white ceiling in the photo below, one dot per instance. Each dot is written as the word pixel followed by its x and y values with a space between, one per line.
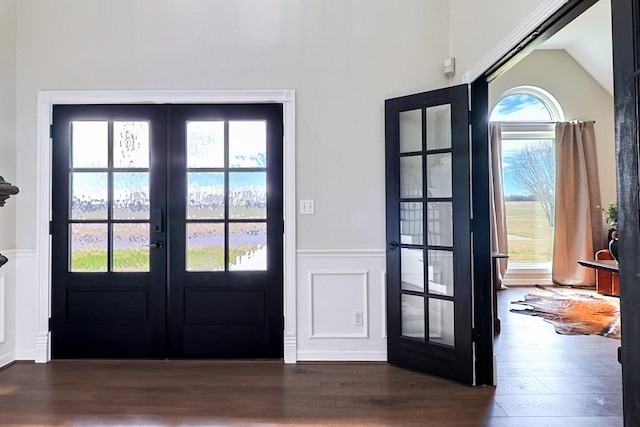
pixel 588 40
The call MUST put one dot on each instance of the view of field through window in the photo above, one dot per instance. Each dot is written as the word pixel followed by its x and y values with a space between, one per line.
pixel 528 179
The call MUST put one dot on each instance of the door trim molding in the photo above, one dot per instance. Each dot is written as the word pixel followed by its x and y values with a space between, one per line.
pixel 46 101
pixel 516 36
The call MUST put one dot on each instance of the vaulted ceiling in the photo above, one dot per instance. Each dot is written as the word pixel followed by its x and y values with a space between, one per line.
pixel 588 40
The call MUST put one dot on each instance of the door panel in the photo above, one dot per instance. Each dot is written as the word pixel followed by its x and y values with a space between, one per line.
pixel 139 191
pixel 226 210
pixel 429 234
pixel 109 176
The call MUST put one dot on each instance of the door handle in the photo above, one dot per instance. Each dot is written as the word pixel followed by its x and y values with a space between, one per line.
pixel 394 245
pixel 157 244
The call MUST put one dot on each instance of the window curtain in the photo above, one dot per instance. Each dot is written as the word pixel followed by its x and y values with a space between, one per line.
pixel 578 223
pixel 498 213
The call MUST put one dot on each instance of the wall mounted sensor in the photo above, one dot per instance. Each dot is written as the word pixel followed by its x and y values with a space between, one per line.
pixel 449 67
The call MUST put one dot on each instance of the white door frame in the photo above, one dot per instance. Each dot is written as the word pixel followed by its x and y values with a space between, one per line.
pixel 46 101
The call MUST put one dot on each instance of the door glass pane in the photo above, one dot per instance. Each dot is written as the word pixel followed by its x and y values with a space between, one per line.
pixel 248 144
pixel 205 247
pixel 439 224
pixel 410 131
pixel 205 198
pixel 439 175
pixel 88 245
pixel 89 198
pixel 130 247
pixel 411 177
pixel 411 223
pixel 131 144
pixel 205 144
pixel 412 269
pixel 247 195
pixel 440 271
pixel 439 127
pixel 248 246
pixel 441 326
pixel 412 314
pixel 89 144
pixel 131 195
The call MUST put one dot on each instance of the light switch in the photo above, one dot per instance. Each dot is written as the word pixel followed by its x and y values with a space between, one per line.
pixel 307 207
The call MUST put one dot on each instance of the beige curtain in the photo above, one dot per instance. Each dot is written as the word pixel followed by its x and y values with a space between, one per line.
pixel 498 213
pixel 578 223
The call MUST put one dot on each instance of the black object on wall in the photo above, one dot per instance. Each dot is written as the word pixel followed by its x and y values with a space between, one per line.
pixel 6 190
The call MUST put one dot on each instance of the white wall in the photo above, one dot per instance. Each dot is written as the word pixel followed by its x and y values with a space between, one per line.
pixel 581 98
pixel 8 171
pixel 8 116
pixel 343 58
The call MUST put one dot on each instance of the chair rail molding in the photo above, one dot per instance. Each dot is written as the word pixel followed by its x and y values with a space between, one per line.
pixel 46 101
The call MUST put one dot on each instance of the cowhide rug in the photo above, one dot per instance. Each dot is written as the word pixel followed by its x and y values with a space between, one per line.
pixel 574 313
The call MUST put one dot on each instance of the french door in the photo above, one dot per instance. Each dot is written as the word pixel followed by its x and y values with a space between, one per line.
pixel 429 274
pixel 167 231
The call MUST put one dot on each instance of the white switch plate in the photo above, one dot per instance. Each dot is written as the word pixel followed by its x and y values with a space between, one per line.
pixel 307 207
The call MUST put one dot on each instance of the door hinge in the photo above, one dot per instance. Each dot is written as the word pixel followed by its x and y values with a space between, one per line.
pixel 283 323
pixel 51 131
pixel 50 227
pixel 50 324
pixel 475 335
pixel 469 117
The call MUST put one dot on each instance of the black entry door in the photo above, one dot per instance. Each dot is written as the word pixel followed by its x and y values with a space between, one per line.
pixel 429 285
pixel 167 231
pixel 226 268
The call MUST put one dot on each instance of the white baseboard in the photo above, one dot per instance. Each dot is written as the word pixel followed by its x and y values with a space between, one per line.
pixel 42 348
pixel 25 355
pixel 342 356
pixel 7 359
pixel 290 347
pixel 527 282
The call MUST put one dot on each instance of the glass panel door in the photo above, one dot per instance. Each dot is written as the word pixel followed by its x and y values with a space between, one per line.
pixel 226 190
pixel 428 233
pixel 108 199
pixel 157 256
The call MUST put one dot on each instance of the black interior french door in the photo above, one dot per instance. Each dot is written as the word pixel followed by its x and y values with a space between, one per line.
pixel 429 256
pixel 167 231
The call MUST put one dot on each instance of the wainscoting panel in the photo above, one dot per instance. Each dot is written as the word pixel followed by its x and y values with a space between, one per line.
pixel 341 306
pixel 8 310
pixel 3 309
pixel 27 309
pixel 335 318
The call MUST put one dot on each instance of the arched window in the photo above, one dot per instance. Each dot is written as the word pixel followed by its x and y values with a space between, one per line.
pixel 527 103
pixel 528 115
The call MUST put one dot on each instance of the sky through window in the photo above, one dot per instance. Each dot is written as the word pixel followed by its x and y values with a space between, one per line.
pixel 520 107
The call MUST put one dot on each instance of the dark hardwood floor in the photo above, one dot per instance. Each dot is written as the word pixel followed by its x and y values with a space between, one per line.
pixel 544 379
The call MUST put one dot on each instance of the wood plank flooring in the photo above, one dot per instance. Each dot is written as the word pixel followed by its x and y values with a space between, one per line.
pixel 544 379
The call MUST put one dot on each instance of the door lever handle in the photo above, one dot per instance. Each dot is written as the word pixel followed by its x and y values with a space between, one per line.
pixel 394 245
pixel 157 244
